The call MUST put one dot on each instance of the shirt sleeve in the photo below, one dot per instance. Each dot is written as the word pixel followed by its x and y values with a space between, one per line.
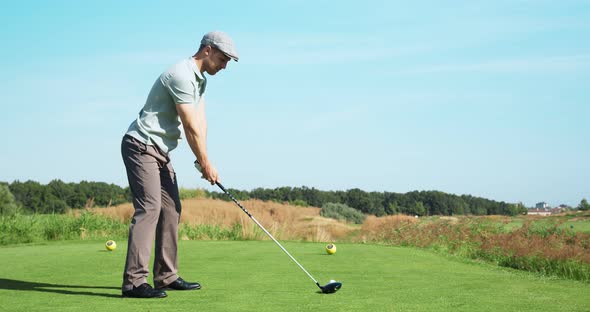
pixel 181 90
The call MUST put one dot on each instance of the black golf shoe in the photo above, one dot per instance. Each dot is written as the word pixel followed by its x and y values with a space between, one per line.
pixel 144 291
pixel 180 284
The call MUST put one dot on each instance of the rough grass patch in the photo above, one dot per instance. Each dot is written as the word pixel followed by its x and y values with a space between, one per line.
pixel 542 246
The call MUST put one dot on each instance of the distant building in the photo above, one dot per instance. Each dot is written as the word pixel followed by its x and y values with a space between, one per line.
pixel 541 205
pixel 543 209
pixel 539 211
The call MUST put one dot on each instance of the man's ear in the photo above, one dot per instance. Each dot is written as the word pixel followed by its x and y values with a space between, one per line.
pixel 207 50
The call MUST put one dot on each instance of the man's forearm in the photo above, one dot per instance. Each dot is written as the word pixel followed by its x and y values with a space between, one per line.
pixel 197 140
pixel 196 133
pixel 195 130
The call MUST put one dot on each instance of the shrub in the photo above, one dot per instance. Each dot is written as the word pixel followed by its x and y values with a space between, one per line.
pixel 342 212
pixel 299 202
pixel 186 193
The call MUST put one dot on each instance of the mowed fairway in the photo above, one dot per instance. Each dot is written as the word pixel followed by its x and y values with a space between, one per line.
pixel 258 276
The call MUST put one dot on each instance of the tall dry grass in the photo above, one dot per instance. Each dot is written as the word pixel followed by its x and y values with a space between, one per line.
pixel 383 229
pixel 283 221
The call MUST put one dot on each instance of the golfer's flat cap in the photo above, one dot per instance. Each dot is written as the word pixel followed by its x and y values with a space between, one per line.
pixel 221 41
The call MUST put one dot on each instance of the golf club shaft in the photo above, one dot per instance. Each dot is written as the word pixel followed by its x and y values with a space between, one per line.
pixel 265 231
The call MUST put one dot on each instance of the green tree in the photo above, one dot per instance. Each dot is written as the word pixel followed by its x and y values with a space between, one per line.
pixel 458 206
pixel 36 198
pixel 584 205
pixel 358 199
pixel 519 209
pixel 8 205
pixel 28 195
pixel 61 190
pixel 392 208
pixel 417 209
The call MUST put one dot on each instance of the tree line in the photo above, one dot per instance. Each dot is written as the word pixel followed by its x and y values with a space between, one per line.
pixel 58 196
pixel 384 203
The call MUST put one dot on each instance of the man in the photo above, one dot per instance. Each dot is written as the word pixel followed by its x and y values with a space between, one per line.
pixel 176 98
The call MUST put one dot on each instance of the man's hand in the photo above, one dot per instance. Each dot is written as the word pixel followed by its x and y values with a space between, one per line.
pixel 208 172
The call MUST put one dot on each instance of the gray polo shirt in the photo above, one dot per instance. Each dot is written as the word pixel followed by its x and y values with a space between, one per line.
pixel 158 122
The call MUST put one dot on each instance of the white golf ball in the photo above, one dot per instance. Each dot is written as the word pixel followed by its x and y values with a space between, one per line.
pixel 332 281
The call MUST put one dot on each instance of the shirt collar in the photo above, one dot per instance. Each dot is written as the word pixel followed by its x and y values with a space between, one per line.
pixel 196 69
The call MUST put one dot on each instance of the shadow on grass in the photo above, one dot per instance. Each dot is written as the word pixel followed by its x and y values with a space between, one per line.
pixel 51 288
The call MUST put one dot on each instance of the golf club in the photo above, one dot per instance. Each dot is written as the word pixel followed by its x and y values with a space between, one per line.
pixel 329 288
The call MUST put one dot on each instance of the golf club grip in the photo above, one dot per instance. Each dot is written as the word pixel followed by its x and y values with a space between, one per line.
pixel 223 189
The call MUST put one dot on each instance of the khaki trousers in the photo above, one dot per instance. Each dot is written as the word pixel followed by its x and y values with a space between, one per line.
pixel 157 212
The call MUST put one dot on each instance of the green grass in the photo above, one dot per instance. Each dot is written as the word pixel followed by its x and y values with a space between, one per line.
pixel 54 227
pixel 580 222
pixel 257 276
pixel 578 225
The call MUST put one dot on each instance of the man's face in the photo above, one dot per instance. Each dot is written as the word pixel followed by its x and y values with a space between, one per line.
pixel 215 61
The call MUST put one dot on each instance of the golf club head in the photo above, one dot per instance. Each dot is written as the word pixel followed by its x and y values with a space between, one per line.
pixel 331 288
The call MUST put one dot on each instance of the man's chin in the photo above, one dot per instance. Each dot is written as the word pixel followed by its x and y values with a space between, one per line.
pixel 212 73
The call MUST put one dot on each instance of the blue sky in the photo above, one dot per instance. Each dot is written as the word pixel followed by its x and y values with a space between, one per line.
pixel 489 98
